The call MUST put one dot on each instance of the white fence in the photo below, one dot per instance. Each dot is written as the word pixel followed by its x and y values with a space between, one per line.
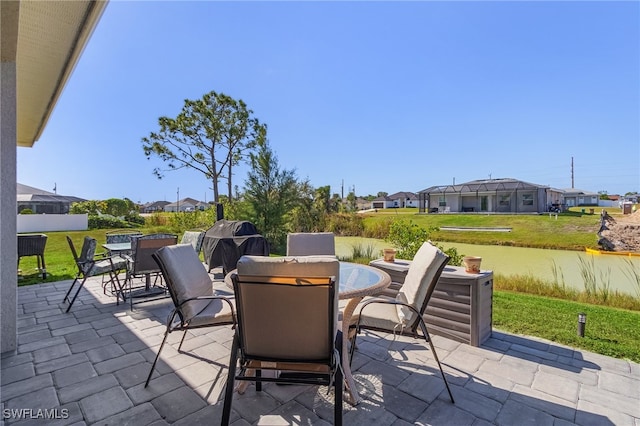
pixel 52 222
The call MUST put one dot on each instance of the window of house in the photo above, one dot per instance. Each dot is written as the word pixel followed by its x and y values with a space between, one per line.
pixel 442 201
pixel 527 200
pixel 505 200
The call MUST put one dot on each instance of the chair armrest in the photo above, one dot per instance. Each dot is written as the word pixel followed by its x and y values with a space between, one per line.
pixel 212 297
pixel 385 301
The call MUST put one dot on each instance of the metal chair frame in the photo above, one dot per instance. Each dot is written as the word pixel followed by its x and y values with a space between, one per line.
pixel 411 329
pixel 87 262
pixel 312 368
pixel 183 323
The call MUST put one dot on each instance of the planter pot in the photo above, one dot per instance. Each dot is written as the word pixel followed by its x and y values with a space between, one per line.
pixel 389 255
pixel 472 264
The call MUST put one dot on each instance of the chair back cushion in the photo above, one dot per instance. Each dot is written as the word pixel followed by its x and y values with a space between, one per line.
pixel 311 243
pixel 286 318
pixel 289 266
pixel 88 250
pixel 286 305
pixel 87 253
pixel 422 277
pixel 143 247
pixel 186 278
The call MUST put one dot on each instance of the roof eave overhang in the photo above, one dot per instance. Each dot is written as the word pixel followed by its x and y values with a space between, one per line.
pixel 51 37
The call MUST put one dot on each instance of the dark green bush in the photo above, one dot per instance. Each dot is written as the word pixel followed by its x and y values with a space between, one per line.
pixel 105 222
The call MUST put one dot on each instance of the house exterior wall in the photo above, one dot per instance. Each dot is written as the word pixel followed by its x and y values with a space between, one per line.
pixel 382 204
pixel 449 202
pixel 400 203
pixel 183 207
pixel 574 199
pixel 523 201
pixel 8 201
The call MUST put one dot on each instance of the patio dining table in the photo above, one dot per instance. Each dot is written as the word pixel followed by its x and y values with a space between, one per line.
pixel 117 248
pixel 356 281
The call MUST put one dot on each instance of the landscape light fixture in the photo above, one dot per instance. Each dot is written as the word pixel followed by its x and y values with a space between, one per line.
pixel 582 321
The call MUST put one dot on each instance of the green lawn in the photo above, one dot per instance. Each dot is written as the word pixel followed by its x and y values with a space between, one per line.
pixel 609 331
pixel 571 231
pixel 57 256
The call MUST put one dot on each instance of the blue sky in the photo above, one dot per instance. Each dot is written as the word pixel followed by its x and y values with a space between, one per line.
pixel 376 96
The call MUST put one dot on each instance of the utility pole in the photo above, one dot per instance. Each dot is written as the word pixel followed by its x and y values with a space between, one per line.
pixel 342 190
pixel 178 200
pixel 572 173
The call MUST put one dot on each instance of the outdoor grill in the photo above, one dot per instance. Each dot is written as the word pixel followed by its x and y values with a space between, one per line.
pixel 228 240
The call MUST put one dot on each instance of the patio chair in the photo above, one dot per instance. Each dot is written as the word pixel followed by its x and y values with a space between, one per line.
pixel 286 323
pixel 33 245
pixel 195 238
pixel 191 290
pixel 89 266
pixel 404 313
pixel 140 264
pixel 311 244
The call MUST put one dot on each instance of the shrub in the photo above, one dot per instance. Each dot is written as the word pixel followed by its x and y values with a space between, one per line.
pixel 407 238
pixel 378 229
pixel 26 211
pixel 345 224
pixel 135 219
pixel 156 219
pixel 105 222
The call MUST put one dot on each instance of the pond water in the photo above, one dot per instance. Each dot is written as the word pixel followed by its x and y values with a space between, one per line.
pixel 539 263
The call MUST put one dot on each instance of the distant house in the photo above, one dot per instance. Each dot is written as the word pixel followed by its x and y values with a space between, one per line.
pixel 40 201
pixel 504 195
pixel 382 203
pixel 186 205
pixel 577 197
pixel 404 199
pixel 156 206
